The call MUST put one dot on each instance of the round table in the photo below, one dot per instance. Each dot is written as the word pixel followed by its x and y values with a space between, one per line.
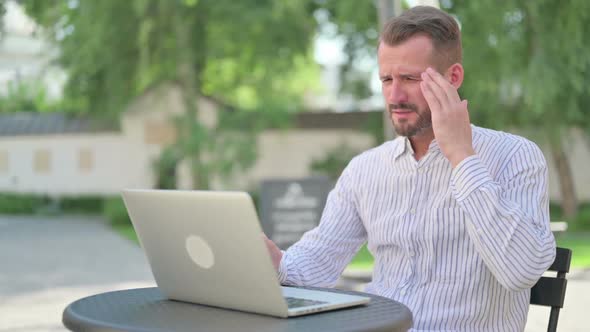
pixel 146 309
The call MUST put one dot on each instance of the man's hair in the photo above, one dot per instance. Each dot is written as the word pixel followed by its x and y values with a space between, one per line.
pixel 441 27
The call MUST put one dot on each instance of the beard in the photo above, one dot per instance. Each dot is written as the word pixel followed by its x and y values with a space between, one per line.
pixel 404 127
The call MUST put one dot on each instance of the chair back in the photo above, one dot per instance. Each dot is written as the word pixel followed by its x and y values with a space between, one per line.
pixel 550 291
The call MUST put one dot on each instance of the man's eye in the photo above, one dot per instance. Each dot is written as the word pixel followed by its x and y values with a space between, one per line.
pixel 385 80
pixel 409 78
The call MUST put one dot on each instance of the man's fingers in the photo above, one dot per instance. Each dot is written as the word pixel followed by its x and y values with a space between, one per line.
pixel 431 99
pixel 436 91
pixel 445 86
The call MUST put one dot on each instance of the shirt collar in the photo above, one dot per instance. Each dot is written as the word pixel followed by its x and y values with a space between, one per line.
pixel 404 146
pixel 401 147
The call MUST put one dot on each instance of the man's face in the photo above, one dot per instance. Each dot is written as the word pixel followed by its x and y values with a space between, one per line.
pixel 400 67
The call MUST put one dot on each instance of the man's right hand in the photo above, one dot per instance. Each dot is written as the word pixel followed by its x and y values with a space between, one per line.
pixel 275 253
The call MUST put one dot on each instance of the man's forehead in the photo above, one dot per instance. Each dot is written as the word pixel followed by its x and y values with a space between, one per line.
pixel 401 69
pixel 413 56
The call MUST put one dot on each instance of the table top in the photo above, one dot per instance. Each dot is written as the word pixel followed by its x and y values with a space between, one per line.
pixel 146 309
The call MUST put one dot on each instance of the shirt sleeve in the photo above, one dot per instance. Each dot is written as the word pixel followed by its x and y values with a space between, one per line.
pixel 508 218
pixel 321 255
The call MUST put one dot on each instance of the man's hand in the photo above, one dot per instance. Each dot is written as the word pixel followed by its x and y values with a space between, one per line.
pixel 275 253
pixel 450 117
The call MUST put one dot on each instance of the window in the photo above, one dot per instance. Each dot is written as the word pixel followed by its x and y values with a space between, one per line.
pixel 85 160
pixel 4 162
pixel 42 161
pixel 161 133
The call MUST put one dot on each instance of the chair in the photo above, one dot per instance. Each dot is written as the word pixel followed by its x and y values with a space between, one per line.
pixel 550 291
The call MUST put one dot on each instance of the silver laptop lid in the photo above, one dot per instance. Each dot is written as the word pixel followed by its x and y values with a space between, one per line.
pixel 205 247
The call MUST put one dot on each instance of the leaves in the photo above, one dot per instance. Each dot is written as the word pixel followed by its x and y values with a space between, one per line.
pixel 251 55
pixel 530 72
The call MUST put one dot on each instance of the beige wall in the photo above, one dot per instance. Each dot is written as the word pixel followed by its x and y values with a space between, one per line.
pixel 106 163
pixel 289 154
pixel 72 164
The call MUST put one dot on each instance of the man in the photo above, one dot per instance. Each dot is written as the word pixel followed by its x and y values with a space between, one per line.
pixel 456 216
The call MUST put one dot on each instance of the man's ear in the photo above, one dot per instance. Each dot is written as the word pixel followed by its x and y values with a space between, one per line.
pixel 455 75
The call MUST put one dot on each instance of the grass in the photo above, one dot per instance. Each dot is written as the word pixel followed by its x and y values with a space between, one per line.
pixel 127 232
pixel 578 242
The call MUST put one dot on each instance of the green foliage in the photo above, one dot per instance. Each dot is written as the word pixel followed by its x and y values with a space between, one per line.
pixel 356 23
pixel 43 204
pixel 524 60
pixel 334 161
pixel 114 50
pixel 165 168
pixel 115 212
pixel 250 55
pixel 81 204
pixel 21 203
pixel 28 97
pixel 374 126
pixel 524 68
pixel 363 260
pixel 579 243
pixel 555 212
pixel 580 222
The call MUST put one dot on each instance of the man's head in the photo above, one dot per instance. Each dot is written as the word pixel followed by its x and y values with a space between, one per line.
pixel 421 37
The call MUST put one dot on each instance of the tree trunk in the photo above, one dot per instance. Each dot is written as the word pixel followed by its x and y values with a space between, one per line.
pixel 190 65
pixel 569 202
pixel 385 10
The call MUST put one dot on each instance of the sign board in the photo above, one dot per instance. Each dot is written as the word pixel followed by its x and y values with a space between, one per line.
pixel 289 208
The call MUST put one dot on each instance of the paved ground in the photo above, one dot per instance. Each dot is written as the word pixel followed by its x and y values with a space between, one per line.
pixel 48 262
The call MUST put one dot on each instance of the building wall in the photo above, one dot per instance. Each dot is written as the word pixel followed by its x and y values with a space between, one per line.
pixel 103 164
pixel 289 154
pixel 71 165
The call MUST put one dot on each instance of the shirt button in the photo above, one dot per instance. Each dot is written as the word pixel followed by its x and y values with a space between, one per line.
pixel 412 211
pixel 403 292
pixel 411 254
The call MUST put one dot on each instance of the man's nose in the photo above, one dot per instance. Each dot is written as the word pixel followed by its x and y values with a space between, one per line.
pixel 396 93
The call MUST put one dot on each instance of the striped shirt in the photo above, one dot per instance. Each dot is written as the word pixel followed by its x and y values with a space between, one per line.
pixel 460 247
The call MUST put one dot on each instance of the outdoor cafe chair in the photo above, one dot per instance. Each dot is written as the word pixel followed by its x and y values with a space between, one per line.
pixel 550 291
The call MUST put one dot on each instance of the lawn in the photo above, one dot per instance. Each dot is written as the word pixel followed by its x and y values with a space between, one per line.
pixel 127 231
pixel 578 242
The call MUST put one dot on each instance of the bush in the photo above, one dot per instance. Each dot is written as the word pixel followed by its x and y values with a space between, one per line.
pixel 581 222
pixel 22 203
pixel 333 162
pixel 115 212
pixel 43 204
pixel 90 204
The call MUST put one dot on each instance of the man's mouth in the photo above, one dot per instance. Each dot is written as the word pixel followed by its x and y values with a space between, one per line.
pixel 401 111
pixel 401 108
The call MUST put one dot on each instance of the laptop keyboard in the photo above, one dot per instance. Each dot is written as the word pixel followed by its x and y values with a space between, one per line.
pixel 294 302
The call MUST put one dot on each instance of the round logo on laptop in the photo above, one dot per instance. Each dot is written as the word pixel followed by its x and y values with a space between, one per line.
pixel 200 251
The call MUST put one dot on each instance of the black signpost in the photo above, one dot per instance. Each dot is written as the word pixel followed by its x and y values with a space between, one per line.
pixel 289 208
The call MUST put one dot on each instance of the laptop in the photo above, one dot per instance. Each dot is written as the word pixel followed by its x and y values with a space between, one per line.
pixel 206 247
